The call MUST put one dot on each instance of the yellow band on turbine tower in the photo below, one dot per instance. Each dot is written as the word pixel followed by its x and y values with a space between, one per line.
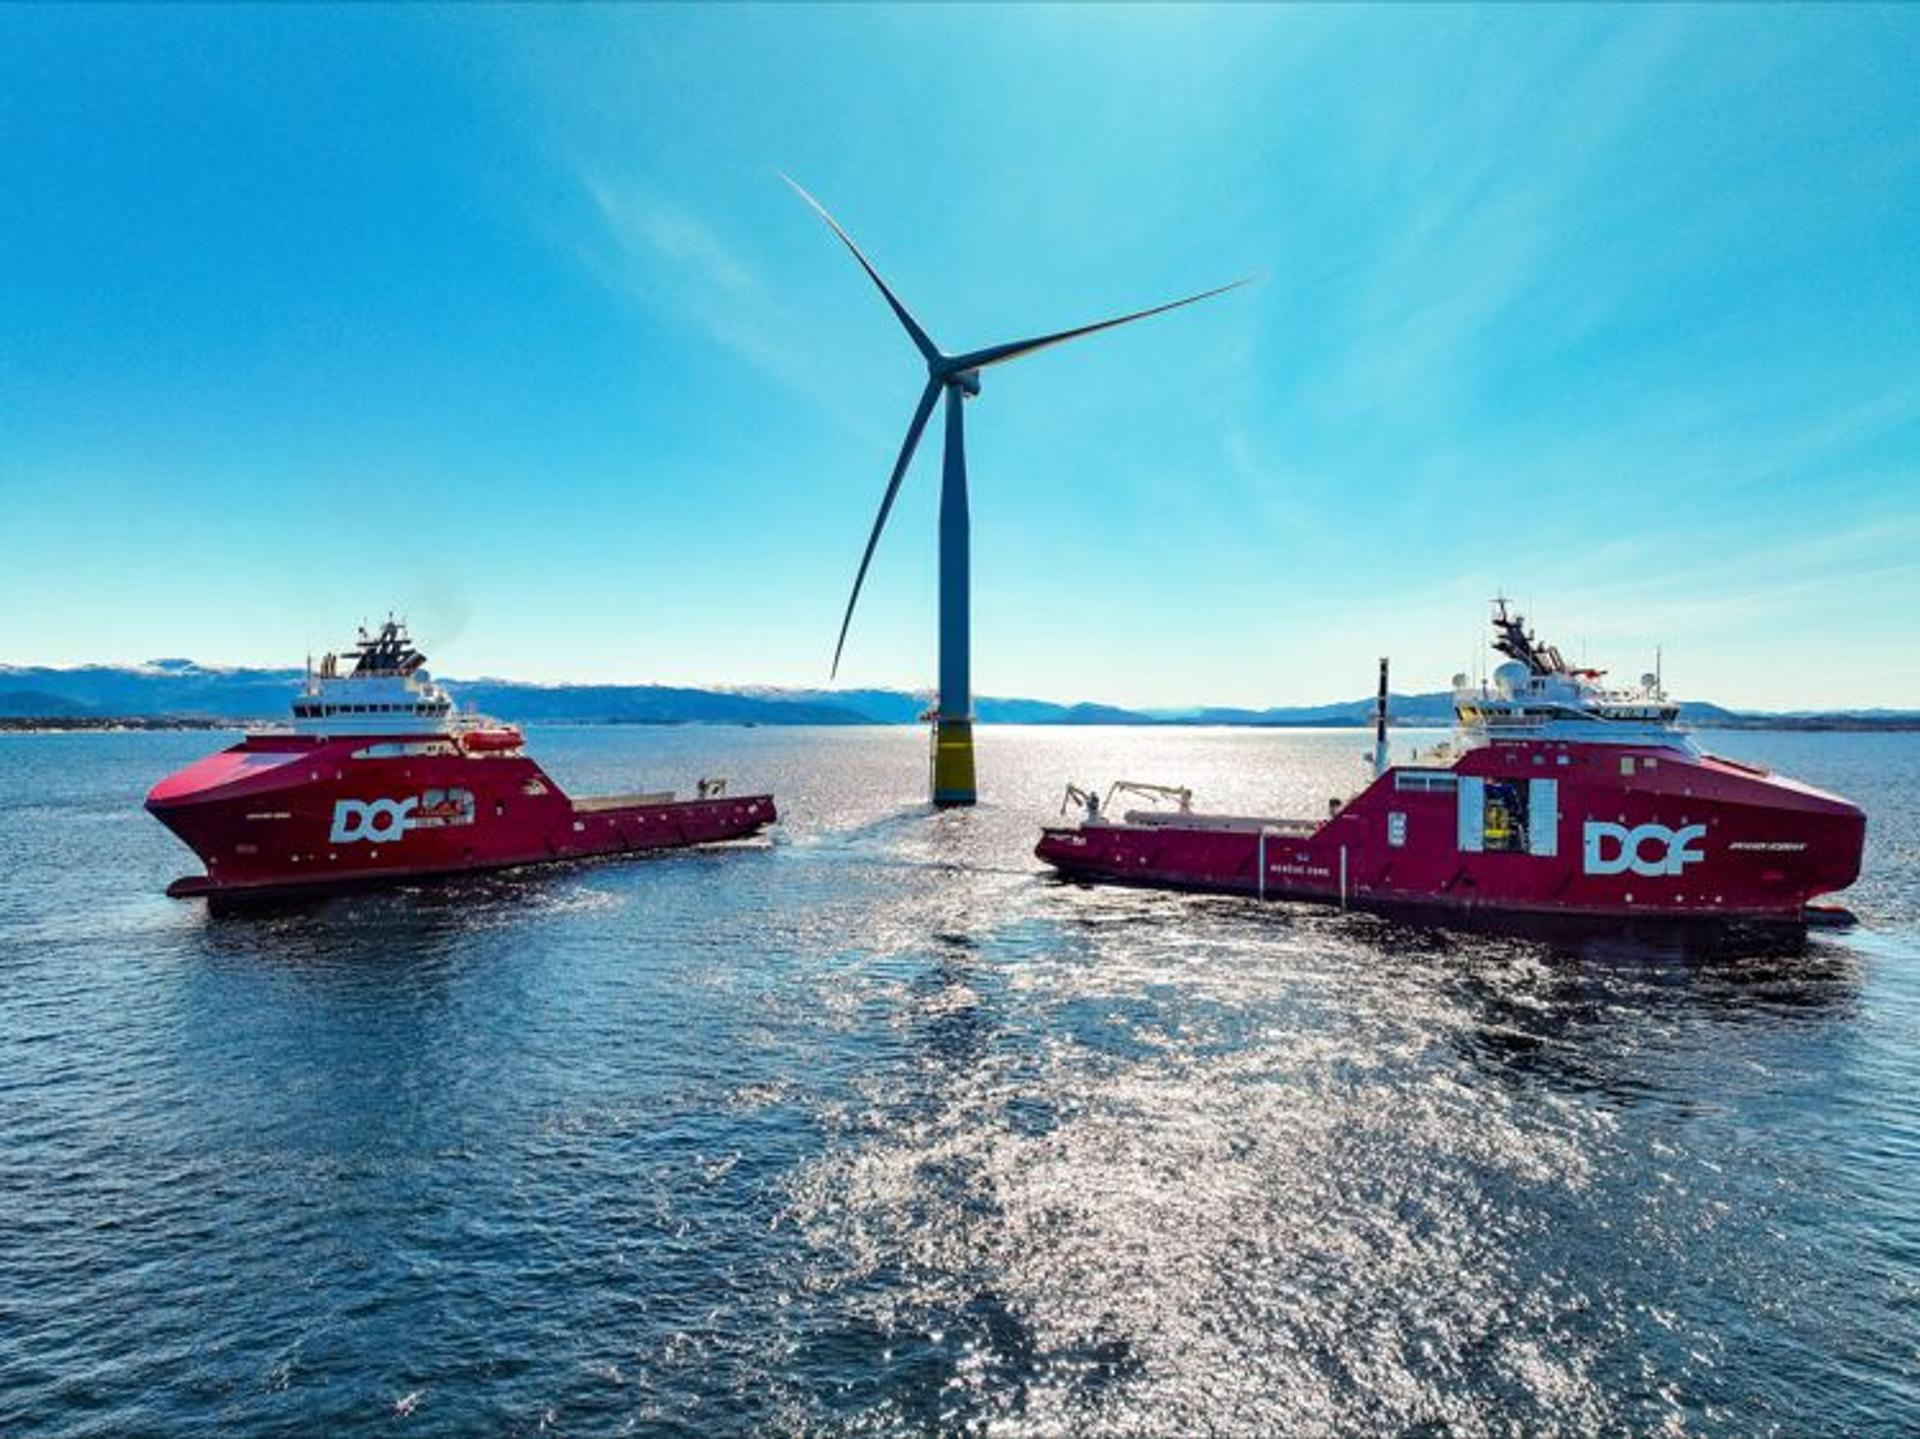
pixel 953 781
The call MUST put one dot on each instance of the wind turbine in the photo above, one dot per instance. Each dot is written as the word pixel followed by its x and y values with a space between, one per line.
pixel 959 377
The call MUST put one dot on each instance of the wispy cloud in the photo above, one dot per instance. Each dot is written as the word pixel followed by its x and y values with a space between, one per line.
pixel 1487 209
pixel 671 261
pixel 660 254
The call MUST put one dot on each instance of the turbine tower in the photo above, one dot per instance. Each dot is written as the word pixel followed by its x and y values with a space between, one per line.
pixel 959 377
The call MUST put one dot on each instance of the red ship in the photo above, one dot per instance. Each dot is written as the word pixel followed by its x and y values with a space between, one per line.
pixel 1557 796
pixel 380 779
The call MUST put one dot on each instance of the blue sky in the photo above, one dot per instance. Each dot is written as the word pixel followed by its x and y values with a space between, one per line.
pixel 501 318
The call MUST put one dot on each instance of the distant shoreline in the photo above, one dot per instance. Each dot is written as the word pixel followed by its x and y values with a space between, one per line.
pixel 124 724
pixel 181 694
pixel 112 724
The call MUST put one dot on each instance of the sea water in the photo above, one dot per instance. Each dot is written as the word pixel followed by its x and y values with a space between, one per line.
pixel 873 1127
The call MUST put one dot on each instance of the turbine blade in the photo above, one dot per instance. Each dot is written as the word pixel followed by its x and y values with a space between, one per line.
pixel 928 350
pixel 1000 354
pixel 925 408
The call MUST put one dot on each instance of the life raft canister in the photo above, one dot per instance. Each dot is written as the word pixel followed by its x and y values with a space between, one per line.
pixel 488 741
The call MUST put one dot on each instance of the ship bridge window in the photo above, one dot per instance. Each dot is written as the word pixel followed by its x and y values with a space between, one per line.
pixel 1421 781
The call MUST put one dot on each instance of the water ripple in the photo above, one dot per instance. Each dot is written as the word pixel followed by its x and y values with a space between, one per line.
pixel 874 1129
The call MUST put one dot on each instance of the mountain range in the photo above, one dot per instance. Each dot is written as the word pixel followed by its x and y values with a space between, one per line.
pixel 180 689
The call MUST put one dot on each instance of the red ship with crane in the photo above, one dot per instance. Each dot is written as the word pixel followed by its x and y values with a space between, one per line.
pixel 1557 796
pixel 381 779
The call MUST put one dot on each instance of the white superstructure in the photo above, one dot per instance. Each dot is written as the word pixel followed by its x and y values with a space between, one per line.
pixel 1536 695
pixel 388 691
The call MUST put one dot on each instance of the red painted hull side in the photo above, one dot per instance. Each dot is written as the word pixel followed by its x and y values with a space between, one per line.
pixel 1769 845
pixel 278 814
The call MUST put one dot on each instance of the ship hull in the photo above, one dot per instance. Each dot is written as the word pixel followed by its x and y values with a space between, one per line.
pixel 1534 829
pixel 275 815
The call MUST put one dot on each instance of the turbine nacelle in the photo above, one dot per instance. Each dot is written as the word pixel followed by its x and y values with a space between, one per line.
pixel 967 382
